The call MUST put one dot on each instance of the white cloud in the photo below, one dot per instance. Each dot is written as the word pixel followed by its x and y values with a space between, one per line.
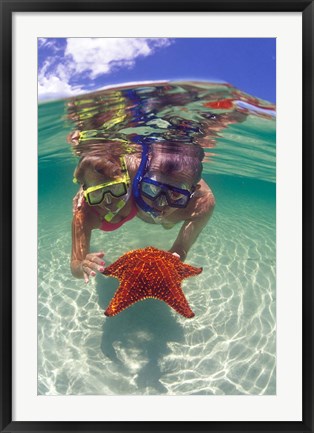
pixel 92 57
pixel 48 43
pixel 41 42
pixel 53 80
pixel 100 55
pixel 54 88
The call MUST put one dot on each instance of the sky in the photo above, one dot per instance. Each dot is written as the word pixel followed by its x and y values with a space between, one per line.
pixel 72 66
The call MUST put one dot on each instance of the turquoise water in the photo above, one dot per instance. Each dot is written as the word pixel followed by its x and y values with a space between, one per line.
pixel 229 347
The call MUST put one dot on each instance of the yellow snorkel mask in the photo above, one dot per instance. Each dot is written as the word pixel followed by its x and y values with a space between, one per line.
pixel 95 195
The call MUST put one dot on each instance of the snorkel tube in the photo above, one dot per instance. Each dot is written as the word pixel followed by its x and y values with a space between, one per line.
pixel 141 117
pixel 137 182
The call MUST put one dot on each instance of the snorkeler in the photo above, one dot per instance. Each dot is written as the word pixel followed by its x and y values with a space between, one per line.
pixel 167 189
pixel 105 203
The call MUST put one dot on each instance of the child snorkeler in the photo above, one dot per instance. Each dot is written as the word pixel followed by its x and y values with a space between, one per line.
pixel 167 189
pixel 104 202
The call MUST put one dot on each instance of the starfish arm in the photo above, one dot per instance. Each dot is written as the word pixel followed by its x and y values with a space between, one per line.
pixel 178 302
pixel 124 297
pixel 186 271
pixel 165 285
pixel 119 266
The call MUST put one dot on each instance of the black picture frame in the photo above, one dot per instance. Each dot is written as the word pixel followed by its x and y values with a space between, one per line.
pixel 7 9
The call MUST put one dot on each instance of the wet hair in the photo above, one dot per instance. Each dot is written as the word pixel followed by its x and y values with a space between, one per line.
pixel 108 166
pixel 172 160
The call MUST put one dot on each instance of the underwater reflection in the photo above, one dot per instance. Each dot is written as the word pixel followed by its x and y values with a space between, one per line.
pixel 193 113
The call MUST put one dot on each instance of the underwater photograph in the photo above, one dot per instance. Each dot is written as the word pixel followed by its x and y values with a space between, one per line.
pixel 156 216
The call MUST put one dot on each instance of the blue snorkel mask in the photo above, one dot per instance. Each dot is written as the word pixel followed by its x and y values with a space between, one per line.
pixel 154 190
pixel 165 194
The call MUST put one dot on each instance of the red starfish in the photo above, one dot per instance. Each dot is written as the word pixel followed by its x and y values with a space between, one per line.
pixel 150 273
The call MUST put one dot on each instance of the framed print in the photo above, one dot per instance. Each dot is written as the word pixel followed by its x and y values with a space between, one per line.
pixel 158 153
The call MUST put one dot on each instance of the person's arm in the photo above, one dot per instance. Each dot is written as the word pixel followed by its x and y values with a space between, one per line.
pixel 191 228
pixel 78 201
pixel 83 263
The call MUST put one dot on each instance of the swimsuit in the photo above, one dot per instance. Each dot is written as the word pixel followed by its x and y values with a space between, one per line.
pixel 110 227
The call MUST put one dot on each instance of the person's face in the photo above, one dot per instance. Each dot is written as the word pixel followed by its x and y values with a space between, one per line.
pixel 182 181
pixel 108 201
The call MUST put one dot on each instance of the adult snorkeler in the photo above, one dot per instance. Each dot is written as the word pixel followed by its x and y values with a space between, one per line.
pixel 168 189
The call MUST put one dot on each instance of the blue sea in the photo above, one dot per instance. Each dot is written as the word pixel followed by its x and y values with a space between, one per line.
pixel 229 347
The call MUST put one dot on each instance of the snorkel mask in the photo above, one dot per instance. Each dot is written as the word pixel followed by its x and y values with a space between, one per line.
pixel 97 194
pixel 160 193
pixel 165 194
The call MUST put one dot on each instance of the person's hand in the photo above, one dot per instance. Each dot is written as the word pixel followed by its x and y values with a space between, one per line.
pixel 181 256
pixel 92 263
pixel 77 201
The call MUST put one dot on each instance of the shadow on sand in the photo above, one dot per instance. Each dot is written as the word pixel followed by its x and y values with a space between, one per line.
pixel 142 332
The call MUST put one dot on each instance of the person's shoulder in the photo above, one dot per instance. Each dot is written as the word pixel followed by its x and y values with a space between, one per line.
pixel 204 194
pixel 203 186
pixel 201 206
pixel 209 198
